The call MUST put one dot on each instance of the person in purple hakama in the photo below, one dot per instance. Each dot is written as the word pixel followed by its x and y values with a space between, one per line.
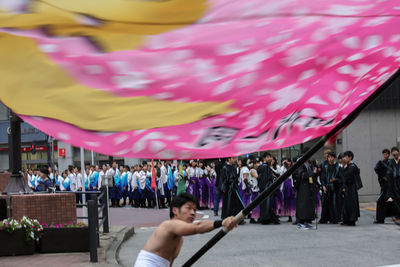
pixel 254 189
pixel 212 178
pixel 244 189
pixel 288 192
pixel 204 185
pixel 278 197
pixel 193 187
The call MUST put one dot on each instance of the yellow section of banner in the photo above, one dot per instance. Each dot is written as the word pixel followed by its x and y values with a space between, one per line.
pixel 31 84
pixel 111 24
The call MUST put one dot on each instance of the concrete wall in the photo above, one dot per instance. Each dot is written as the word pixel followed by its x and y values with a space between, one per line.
pixel 372 131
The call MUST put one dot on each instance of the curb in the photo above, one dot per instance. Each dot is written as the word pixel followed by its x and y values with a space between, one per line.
pixel 112 253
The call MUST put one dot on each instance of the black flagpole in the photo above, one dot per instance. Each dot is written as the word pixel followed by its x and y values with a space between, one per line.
pixel 264 194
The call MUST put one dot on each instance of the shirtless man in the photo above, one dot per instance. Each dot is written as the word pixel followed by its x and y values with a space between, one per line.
pixel 165 243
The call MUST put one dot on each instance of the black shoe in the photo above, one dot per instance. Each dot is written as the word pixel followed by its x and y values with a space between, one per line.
pixel 276 222
pixel 252 221
pixel 265 222
pixel 215 214
pixel 379 222
pixel 322 222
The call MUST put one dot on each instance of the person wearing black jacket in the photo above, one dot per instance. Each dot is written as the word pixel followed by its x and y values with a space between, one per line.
pixel 305 183
pixel 218 184
pixel 331 181
pixel 383 207
pixel 394 182
pixel 351 185
pixel 265 179
pixel 231 204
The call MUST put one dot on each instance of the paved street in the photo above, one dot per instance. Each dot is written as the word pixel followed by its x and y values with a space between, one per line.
pixel 283 245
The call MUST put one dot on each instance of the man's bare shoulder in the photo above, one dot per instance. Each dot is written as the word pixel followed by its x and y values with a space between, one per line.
pixel 168 224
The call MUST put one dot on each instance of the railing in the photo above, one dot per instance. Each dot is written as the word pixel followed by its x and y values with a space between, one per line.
pixel 93 217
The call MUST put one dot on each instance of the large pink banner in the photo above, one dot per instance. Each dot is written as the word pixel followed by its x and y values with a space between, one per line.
pixel 289 70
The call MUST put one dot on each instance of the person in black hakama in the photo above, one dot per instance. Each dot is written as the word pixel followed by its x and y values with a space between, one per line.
pixel 265 179
pixel 351 185
pixel 394 183
pixel 305 183
pixel 231 204
pixel 384 208
pixel 331 181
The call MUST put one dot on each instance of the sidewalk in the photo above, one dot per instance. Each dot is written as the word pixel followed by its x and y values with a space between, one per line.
pixel 77 259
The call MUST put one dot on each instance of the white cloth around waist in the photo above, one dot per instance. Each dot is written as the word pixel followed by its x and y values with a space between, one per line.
pixel 148 259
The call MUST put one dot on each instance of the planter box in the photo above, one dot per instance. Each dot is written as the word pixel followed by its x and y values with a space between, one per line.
pixel 64 240
pixel 15 243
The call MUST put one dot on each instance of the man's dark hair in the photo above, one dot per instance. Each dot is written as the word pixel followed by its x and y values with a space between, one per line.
pixel 266 154
pixel 332 154
pixel 385 151
pixel 71 168
pixel 180 200
pixel 45 171
pixel 349 154
pixel 144 163
pixel 395 148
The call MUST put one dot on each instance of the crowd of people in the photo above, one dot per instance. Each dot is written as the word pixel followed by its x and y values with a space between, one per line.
pixel 329 188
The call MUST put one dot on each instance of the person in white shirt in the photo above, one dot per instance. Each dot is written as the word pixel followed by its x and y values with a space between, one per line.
pixel 160 185
pixel 135 184
pixel 73 181
pixel 164 179
pixel 79 179
pixel 102 175
pixel 36 178
pixel 31 179
pixel 142 176
pixel 129 185
pixel 115 192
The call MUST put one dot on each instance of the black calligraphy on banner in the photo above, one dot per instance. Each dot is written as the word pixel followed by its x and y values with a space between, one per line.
pixel 227 134
pixel 217 134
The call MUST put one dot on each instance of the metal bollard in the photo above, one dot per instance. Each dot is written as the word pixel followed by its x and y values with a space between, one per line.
pixel 105 210
pixel 92 214
pixel 95 199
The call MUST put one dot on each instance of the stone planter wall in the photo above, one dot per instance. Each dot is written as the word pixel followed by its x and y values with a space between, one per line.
pixel 58 240
pixel 15 243
pixel 47 208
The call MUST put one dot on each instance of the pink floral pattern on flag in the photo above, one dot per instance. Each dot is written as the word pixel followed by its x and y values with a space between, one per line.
pixel 293 68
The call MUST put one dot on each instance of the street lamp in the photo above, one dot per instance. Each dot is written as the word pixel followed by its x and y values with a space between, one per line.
pixel 17 183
